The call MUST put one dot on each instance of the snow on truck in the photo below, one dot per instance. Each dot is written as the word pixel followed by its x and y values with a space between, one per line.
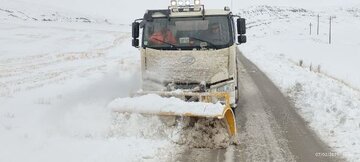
pixel 189 52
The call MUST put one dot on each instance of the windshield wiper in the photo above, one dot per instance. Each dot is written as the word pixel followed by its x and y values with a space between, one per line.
pixel 172 45
pixel 209 43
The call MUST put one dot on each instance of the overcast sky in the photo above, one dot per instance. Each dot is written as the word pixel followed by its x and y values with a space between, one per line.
pixel 125 11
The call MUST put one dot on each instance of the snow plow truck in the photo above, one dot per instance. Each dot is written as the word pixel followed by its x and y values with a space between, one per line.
pixel 189 52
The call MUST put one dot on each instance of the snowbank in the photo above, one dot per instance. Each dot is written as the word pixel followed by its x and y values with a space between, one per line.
pixel 154 104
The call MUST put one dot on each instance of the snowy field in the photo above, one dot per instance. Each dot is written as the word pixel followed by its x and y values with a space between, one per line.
pixel 62 62
pixel 291 27
pixel 55 88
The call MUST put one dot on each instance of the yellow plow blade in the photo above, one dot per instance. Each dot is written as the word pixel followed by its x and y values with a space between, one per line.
pixel 209 107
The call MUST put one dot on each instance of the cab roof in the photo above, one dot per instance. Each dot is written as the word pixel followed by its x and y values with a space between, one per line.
pixel 191 13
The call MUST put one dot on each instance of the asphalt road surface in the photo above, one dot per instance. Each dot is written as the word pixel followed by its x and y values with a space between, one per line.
pixel 269 129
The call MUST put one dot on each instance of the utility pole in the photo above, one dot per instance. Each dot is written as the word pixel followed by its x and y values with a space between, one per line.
pixel 330 30
pixel 310 28
pixel 318 21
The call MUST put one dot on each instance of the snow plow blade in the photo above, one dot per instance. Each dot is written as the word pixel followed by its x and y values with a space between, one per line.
pixel 209 106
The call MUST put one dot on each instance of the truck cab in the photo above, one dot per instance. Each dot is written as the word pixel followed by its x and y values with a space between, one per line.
pixel 189 48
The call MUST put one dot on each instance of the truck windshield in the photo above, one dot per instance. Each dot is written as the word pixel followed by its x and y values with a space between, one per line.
pixel 188 33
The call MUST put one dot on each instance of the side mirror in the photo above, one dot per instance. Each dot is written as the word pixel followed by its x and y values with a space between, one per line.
pixel 241 26
pixel 135 34
pixel 135 30
pixel 135 42
pixel 242 39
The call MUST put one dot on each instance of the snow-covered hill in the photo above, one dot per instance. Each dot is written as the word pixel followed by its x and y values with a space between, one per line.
pixel 123 11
